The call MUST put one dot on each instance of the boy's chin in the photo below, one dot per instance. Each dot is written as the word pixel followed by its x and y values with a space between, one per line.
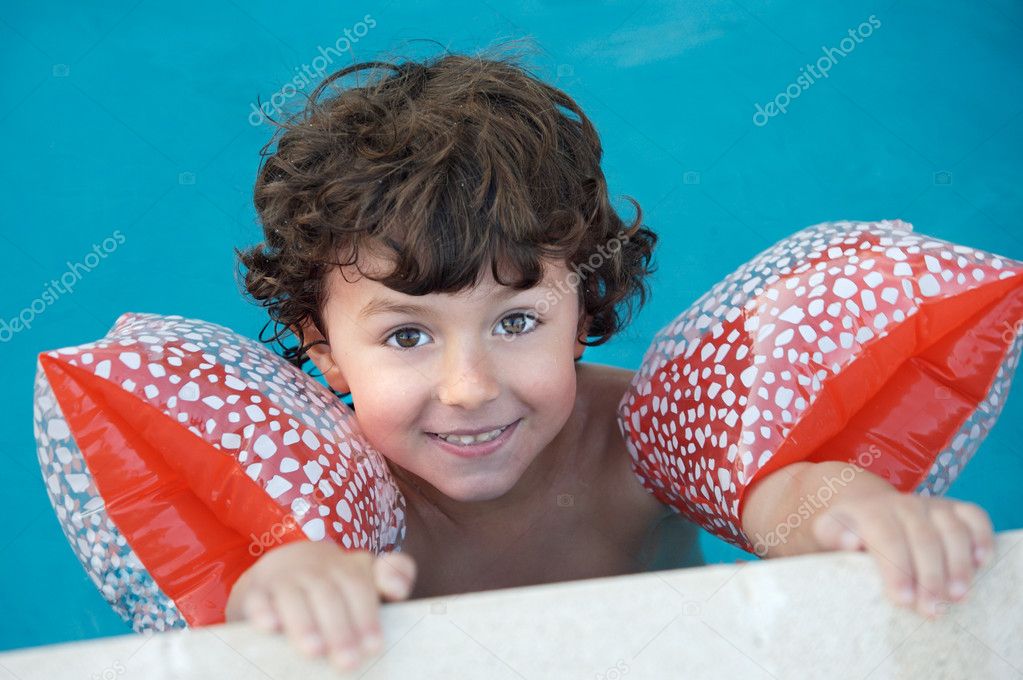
pixel 478 488
pixel 473 491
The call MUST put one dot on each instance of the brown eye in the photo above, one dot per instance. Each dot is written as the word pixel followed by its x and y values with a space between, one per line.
pixel 518 324
pixel 406 335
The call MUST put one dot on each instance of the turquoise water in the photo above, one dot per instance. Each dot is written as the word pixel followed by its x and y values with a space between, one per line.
pixel 132 123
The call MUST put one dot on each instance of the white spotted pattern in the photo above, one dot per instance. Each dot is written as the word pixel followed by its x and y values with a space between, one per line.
pixel 797 315
pixel 244 402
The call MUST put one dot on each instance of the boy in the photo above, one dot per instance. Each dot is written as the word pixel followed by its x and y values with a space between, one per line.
pixel 430 239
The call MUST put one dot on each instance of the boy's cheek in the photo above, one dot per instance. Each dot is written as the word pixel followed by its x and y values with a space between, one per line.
pixel 546 373
pixel 383 434
pixel 381 415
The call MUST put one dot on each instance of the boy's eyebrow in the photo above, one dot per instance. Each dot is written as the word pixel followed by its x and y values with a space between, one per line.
pixel 378 305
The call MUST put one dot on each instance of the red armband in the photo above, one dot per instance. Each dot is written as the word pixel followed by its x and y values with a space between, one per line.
pixel 849 341
pixel 175 452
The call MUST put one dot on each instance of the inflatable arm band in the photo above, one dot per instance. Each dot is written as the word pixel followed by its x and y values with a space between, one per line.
pixel 175 452
pixel 859 342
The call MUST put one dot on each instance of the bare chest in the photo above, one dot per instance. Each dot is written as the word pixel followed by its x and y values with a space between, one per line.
pixel 571 538
pixel 579 530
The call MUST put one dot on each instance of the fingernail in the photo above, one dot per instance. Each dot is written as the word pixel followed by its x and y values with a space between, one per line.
pixel 346 659
pixel 396 583
pixel 980 555
pixel 905 595
pixel 312 643
pixel 957 589
pixel 371 643
pixel 849 541
pixel 266 621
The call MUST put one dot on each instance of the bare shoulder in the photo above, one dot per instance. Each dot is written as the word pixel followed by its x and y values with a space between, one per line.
pixel 606 385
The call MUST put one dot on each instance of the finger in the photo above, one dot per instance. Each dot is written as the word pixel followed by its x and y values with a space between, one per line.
pixel 259 609
pixel 981 530
pixel 364 610
pixel 885 541
pixel 333 619
pixel 835 530
pixel 393 575
pixel 297 618
pixel 928 551
pixel 958 549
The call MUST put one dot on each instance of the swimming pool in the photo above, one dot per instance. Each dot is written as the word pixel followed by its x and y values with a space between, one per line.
pixel 133 156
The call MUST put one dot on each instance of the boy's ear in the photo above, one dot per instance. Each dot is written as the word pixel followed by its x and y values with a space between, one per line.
pixel 321 357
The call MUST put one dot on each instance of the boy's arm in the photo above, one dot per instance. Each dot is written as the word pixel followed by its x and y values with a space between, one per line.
pixel 927 548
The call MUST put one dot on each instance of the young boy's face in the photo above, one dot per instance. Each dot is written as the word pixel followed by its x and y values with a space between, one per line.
pixel 467 361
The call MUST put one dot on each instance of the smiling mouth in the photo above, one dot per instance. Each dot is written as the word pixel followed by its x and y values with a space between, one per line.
pixel 467 440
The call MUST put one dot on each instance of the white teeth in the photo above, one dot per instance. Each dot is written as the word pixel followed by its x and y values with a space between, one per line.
pixel 465 440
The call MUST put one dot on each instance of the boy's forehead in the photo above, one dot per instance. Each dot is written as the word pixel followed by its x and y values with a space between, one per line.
pixel 355 281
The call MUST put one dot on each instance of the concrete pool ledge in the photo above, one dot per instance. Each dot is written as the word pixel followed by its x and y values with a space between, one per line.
pixel 815 615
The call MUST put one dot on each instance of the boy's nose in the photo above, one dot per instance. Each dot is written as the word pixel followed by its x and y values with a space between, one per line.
pixel 467 378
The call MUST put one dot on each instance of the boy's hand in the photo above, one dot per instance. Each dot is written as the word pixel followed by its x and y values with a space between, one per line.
pixel 324 598
pixel 927 548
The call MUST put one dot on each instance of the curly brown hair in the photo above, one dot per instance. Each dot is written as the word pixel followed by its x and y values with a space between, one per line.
pixel 449 164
